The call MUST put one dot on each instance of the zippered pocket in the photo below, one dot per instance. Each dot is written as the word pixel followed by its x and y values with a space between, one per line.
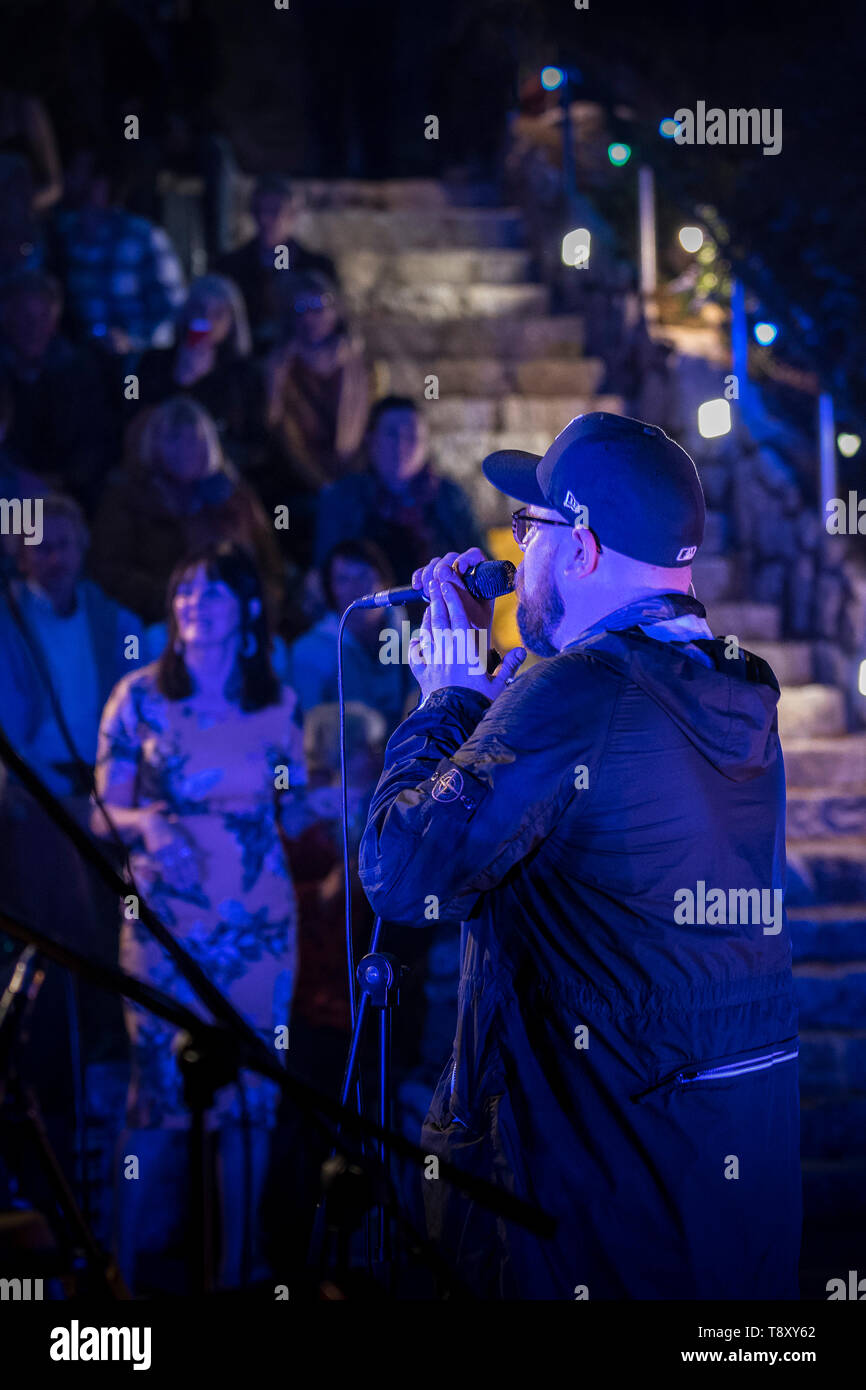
pixel 724 1068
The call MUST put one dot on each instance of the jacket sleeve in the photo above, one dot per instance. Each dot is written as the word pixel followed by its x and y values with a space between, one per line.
pixel 468 790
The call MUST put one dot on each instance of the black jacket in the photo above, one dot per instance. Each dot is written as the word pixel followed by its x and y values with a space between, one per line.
pixel 630 1071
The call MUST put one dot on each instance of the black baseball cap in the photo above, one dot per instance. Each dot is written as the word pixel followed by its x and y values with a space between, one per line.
pixel 628 482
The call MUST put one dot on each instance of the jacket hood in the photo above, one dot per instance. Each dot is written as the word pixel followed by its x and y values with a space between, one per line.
pixel 724 704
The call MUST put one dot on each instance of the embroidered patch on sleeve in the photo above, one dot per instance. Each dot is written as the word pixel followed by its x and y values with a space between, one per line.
pixel 452 785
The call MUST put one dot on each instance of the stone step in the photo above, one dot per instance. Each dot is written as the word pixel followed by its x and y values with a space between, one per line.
pixel 459 454
pixel 529 414
pixel 493 376
pixel 388 194
pixel 516 339
pixel 745 621
pixel 826 871
pixel 817 811
pixel 360 271
pixel 832 1060
pixel 826 762
pixel 443 302
pixel 806 710
pixel 342 231
pixel 831 993
pixel 832 1128
pixel 792 662
pixel 829 932
pixel 716 578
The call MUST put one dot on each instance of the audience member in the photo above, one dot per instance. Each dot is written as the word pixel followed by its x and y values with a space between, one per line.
pixel 318 388
pixel 175 494
pixel 62 426
pixel 399 501
pixel 59 631
pixel 210 361
pixel 373 674
pixel 123 279
pixel 317 403
pixel 253 266
pixel 189 750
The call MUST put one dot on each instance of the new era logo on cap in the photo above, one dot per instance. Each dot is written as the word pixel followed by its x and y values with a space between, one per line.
pixel 640 491
pixel 581 515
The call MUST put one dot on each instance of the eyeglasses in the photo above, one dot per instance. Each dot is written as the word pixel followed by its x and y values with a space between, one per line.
pixel 521 520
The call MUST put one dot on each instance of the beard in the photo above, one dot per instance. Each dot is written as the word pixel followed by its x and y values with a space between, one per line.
pixel 538 617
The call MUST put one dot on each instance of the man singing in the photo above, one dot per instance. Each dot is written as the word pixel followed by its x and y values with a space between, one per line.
pixel 609 827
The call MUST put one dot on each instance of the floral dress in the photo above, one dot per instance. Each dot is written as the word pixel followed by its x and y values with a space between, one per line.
pixel 226 895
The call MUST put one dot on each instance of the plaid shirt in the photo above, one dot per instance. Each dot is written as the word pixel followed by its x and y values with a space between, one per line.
pixel 121 272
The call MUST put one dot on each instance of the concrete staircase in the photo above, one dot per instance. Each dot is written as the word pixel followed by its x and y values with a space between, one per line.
pixel 445 290
pixel 826 901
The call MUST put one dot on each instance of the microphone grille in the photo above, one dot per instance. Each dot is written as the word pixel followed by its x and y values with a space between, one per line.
pixel 492 579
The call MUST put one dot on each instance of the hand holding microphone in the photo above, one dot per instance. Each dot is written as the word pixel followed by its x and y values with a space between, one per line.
pixel 461 570
pixel 451 646
pixel 482 580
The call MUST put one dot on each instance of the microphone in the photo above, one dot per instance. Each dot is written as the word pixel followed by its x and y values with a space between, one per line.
pixel 487 579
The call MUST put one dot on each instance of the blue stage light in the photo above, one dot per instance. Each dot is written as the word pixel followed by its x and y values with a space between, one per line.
pixel 551 78
pixel 765 333
pixel 668 128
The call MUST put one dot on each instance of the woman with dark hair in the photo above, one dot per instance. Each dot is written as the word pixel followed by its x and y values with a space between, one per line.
pixel 194 753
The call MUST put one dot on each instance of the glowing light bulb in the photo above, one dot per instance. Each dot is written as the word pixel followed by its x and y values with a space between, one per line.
pixel 691 238
pixel 848 444
pixel 618 153
pixel 575 248
pixel 668 128
pixel 714 418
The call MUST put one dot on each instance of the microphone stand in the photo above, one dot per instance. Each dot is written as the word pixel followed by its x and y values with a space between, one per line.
pixel 217 1051
pixel 378 976
pixel 378 973
pixel 22 1120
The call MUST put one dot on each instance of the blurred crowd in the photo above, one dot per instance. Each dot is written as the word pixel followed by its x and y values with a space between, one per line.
pixel 218 484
